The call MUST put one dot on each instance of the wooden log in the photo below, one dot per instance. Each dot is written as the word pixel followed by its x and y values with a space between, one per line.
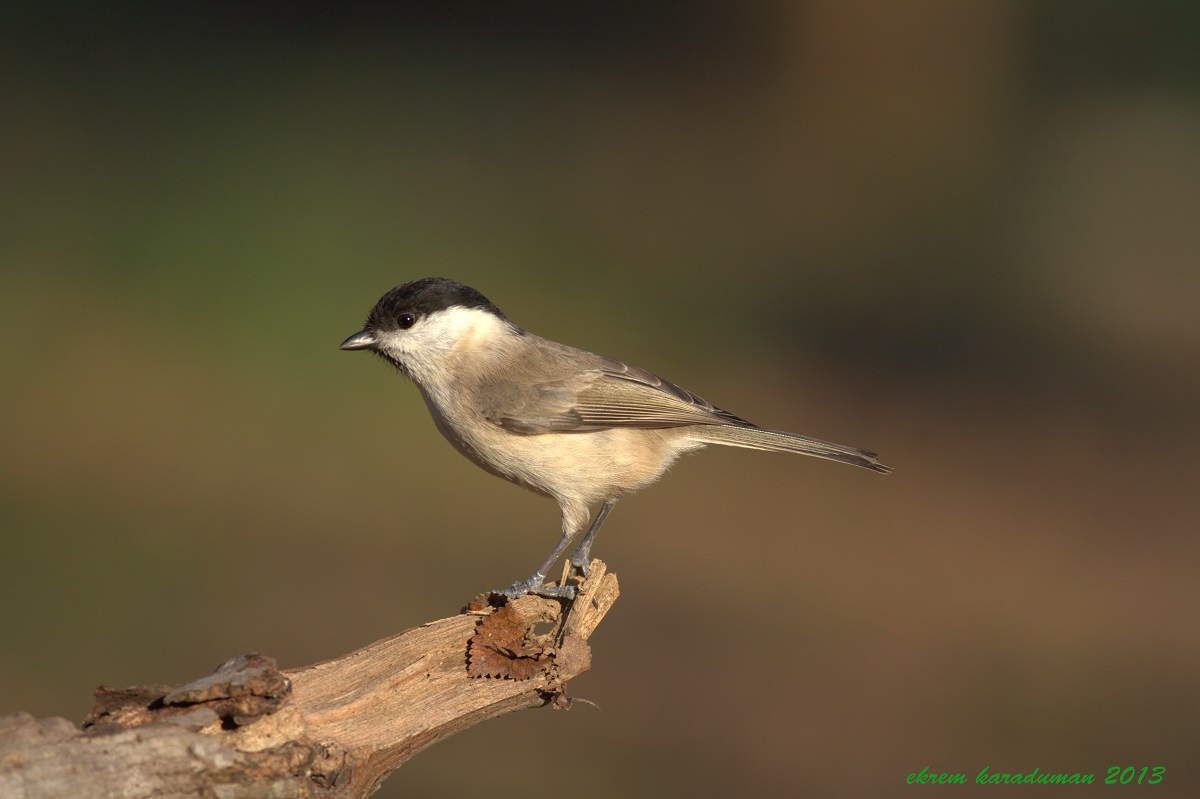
pixel 331 730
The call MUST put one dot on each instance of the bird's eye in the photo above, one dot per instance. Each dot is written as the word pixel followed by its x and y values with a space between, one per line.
pixel 406 320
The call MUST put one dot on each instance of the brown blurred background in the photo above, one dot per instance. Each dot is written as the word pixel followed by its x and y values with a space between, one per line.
pixel 966 234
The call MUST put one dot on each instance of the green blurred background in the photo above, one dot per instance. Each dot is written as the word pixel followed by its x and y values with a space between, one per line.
pixel 965 234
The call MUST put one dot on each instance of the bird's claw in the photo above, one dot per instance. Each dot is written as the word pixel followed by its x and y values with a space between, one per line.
pixel 581 561
pixel 538 588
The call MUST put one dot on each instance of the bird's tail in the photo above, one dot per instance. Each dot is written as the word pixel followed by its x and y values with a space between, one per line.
pixel 779 441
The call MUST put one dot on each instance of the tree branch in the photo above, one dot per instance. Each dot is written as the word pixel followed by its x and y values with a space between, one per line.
pixel 331 730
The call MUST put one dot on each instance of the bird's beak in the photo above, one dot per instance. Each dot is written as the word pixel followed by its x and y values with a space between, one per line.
pixel 362 340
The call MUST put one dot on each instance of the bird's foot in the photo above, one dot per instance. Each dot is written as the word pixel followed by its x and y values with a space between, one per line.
pixel 581 561
pixel 535 585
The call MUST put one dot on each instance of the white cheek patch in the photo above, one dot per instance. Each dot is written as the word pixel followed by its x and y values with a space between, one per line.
pixel 424 346
pixel 456 324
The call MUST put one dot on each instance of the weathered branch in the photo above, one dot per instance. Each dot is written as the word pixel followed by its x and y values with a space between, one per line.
pixel 333 729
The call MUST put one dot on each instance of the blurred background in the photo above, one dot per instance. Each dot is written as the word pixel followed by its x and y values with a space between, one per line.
pixel 963 234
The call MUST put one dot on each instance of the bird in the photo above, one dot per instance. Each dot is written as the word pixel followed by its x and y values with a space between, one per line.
pixel 580 428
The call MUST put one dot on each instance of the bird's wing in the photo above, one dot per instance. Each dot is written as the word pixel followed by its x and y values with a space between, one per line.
pixel 610 393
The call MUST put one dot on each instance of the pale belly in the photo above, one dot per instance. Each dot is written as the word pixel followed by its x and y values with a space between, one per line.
pixel 583 467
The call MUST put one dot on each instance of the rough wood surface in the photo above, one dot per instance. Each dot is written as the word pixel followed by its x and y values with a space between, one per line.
pixel 333 729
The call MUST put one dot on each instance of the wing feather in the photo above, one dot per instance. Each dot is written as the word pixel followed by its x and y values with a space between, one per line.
pixel 610 394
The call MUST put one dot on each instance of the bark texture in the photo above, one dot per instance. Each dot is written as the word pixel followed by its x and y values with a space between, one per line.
pixel 332 729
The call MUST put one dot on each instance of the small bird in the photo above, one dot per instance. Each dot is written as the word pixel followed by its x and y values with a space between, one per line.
pixel 580 428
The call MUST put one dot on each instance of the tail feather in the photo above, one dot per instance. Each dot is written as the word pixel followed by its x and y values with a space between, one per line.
pixel 779 441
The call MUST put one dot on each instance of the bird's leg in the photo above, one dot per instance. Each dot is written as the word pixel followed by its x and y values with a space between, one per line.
pixel 580 558
pixel 575 516
pixel 536 582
